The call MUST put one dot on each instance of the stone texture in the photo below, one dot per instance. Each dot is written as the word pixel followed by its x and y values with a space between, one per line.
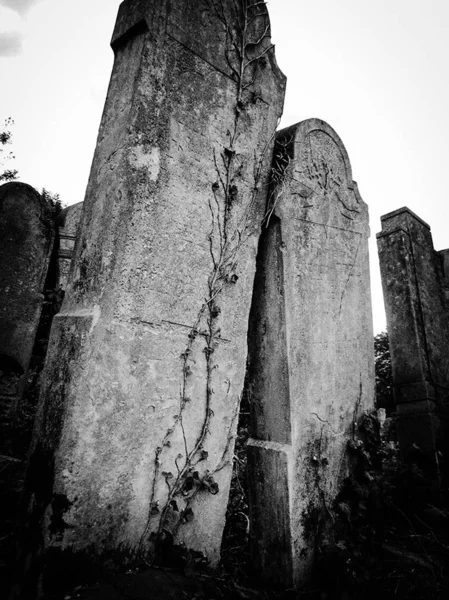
pixel 311 359
pixel 67 223
pixel 444 258
pixel 26 241
pixel 146 359
pixel 413 281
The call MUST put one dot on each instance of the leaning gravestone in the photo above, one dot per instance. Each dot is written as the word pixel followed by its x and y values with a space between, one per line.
pixel 311 359
pixel 146 360
pixel 26 241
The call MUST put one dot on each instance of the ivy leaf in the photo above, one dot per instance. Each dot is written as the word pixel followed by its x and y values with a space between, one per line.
pixel 215 311
pixel 188 515
pixel 233 191
pixel 214 489
pixel 210 485
pixel 345 509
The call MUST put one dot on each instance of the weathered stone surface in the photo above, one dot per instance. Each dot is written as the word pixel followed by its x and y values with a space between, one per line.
pixel 26 241
pixel 413 281
pixel 67 223
pixel 311 360
pixel 444 257
pixel 146 359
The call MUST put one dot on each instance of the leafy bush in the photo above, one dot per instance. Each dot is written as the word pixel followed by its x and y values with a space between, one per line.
pixel 383 372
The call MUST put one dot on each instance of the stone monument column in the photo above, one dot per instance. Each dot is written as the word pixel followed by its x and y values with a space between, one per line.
pixel 311 355
pixel 417 320
pixel 141 389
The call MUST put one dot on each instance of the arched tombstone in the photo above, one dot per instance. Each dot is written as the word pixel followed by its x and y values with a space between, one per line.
pixel 26 242
pixel 311 358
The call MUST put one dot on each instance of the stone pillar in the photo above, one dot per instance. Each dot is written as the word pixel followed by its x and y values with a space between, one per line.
pixel 26 242
pixel 417 323
pixel 146 359
pixel 311 357
pixel 444 263
pixel 67 223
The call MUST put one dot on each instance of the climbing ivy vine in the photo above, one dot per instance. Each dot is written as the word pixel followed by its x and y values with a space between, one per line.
pixel 245 27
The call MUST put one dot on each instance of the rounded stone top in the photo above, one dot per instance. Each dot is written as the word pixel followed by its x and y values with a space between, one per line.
pixel 20 202
pixel 18 188
pixel 300 132
pixel 319 174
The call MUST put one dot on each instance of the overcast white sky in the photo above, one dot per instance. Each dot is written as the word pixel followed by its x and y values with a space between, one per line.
pixel 376 71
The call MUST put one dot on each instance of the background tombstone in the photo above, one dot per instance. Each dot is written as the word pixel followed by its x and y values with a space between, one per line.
pixel 311 359
pixel 414 286
pixel 146 359
pixel 26 241
pixel 444 258
pixel 67 223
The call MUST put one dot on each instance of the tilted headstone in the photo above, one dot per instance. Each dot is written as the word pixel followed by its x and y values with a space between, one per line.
pixel 311 360
pixel 414 286
pixel 146 359
pixel 26 241
pixel 67 223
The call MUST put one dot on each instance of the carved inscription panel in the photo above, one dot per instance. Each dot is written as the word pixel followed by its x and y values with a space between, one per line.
pixel 320 178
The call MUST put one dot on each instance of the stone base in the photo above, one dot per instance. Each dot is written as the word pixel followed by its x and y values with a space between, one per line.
pixel 418 427
pixel 268 485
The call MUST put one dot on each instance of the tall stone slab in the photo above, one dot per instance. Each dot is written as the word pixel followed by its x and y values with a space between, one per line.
pixel 26 241
pixel 146 359
pixel 444 262
pixel 67 224
pixel 311 359
pixel 414 287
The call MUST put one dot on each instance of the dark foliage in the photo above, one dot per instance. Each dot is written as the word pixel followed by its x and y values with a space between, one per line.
pixel 235 549
pixel 5 138
pixel 53 202
pixel 384 375
pixel 384 541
